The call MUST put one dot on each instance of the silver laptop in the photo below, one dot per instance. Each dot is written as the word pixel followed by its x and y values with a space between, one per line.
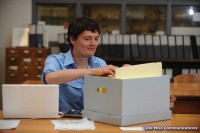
pixel 30 101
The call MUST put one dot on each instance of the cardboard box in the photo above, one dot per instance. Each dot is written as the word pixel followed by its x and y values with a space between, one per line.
pixel 125 102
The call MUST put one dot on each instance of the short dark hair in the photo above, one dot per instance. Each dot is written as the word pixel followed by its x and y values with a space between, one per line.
pixel 79 26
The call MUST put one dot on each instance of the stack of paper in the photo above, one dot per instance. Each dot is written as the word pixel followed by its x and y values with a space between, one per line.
pixel 9 124
pixel 139 71
pixel 83 124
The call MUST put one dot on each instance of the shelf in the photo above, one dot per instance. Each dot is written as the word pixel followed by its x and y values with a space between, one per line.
pixel 167 63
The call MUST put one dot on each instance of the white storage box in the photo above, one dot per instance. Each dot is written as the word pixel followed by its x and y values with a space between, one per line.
pixel 124 102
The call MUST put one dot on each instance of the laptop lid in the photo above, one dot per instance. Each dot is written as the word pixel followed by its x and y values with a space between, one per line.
pixel 30 101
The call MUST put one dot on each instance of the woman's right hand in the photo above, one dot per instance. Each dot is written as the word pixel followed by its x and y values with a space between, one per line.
pixel 106 70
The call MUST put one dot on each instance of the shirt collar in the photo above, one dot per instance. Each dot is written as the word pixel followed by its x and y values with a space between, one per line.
pixel 69 60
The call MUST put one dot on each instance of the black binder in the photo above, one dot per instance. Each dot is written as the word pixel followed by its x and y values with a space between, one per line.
pixel 119 46
pixel 172 46
pixel 164 46
pixel 36 35
pixel 105 45
pixel 149 46
pixel 112 46
pixel 32 35
pixel 198 45
pixel 187 47
pixel 134 46
pixel 179 46
pixel 39 35
pixel 99 49
pixel 63 43
pixel 142 46
pixel 127 48
pixel 157 46
pixel 194 47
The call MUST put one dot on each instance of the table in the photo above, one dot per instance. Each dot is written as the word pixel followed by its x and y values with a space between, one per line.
pixel 45 125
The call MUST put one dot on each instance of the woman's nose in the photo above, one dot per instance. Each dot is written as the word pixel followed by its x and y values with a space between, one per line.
pixel 94 41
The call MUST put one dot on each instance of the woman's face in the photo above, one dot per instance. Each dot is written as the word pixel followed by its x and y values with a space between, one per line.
pixel 86 43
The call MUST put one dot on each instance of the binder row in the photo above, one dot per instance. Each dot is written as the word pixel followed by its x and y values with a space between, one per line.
pixel 146 46
pixel 36 32
pixel 143 46
pixel 149 46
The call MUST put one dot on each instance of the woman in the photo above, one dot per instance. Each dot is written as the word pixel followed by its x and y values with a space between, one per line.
pixel 68 69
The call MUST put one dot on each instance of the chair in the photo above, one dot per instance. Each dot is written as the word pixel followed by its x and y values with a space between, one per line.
pixel 190 106
pixel 187 78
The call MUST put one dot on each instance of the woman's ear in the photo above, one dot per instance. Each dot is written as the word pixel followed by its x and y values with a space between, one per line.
pixel 72 39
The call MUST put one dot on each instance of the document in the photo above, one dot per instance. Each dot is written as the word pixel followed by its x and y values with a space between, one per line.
pixel 20 37
pixel 139 71
pixel 9 124
pixel 82 124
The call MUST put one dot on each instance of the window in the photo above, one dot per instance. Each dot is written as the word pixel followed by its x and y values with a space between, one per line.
pixel 182 16
pixel 108 16
pixel 56 14
pixel 145 19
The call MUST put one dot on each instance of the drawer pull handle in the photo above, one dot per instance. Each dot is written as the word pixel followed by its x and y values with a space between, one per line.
pixel 101 90
pixel 13 67
pixel 12 59
pixel 12 51
pixel 26 51
pixel 27 59
pixel 40 51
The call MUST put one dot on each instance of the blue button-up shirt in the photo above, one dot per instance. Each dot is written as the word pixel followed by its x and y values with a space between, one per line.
pixel 70 93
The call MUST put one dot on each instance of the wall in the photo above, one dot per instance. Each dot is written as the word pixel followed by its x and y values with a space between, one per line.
pixel 13 14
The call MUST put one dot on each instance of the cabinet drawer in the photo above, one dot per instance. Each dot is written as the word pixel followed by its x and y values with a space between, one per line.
pixel 12 60
pixel 14 76
pixel 26 68
pixel 39 61
pixel 26 75
pixel 37 76
pixel 12 52
pixel 41 52
pixel 39 69
pixel 12 69
pixel 26 61
pixel 26 52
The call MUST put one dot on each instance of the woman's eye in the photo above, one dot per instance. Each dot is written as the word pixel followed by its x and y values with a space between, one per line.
pixel 87 39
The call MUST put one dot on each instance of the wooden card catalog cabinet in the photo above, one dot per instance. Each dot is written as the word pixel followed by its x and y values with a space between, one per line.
pixel 25 63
